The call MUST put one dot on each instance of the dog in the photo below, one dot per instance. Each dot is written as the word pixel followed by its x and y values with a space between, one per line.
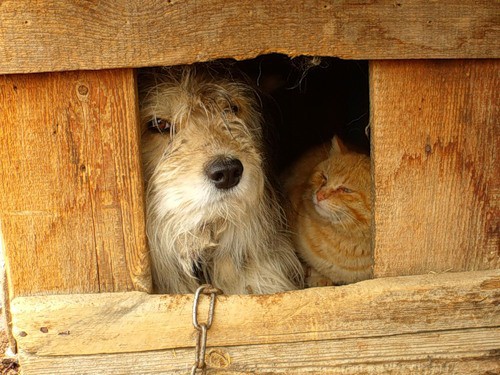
pixel 213 215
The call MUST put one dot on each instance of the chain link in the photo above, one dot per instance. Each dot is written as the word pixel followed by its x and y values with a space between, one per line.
pixel 202 328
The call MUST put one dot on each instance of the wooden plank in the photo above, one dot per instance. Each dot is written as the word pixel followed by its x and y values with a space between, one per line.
pixel 137 322
pixel 435 142
pixel 469 351
pixel 78 35
pixel 71 191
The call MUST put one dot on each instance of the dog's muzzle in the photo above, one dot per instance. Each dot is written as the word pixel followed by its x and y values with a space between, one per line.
pixel 224 172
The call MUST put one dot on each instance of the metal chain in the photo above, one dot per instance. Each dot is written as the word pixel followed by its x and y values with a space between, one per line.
pixel 202 328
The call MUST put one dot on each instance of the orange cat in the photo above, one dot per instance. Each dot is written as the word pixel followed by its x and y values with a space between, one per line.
pixel 330 213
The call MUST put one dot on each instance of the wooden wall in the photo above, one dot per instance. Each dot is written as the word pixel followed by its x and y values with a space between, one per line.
pixel 436 165
pixel 435 202
pixel 71 191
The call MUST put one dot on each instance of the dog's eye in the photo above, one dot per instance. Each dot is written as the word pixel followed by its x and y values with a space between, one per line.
pixel 233 109
pixel 159 125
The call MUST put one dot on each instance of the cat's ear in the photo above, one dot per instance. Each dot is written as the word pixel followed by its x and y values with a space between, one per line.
pixel 338 147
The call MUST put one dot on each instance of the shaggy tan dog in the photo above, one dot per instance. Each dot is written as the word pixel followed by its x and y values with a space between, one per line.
pixel 212 215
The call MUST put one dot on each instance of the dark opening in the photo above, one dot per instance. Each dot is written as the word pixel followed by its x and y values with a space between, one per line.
pixel 311 99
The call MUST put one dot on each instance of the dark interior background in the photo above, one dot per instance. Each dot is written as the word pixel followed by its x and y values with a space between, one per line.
pixel 311 99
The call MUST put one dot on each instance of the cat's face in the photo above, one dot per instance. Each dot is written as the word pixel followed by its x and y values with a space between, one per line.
pixel 339 187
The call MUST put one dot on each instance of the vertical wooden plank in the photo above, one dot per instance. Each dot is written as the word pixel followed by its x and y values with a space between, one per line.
pixel 71 191
pixel 435 142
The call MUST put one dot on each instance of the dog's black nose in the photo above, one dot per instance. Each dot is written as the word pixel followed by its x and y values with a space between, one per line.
pixel 224 172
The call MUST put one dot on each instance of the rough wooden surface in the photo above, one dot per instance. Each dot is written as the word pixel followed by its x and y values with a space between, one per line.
pixel 435 147
pixel 469 351
pixel 37 35
pixel 71 191
pixel 137 322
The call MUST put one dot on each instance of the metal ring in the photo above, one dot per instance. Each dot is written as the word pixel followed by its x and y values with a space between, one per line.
pixel 208 290
pixel 202 328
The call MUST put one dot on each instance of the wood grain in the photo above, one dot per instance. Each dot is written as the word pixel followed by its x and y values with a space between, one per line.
pixel 71 192
pixel 470 351
pixel 137 322
pixel 37 35
pixel 435 147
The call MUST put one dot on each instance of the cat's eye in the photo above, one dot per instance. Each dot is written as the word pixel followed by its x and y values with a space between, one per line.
pixel 343 189
pixel 159 125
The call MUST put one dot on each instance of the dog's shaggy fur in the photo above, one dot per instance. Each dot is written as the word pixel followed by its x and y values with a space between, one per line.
pixel 234 238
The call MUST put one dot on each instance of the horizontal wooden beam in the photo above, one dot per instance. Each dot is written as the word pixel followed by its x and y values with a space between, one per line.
pixel 60 35
pixel 472 351
pixel 137 322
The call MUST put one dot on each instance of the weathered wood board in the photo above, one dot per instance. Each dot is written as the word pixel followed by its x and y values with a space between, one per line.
pixel 135 321
pixel 426 324
pixel 78 35
pixel 71 190
pixel 473 351
pixel 436 164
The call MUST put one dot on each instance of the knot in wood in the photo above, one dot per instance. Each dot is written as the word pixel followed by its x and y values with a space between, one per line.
pixel 83 90
pixel 218 359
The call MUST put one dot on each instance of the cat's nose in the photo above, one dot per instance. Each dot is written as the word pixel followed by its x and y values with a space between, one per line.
pixel 320 196
pixel 224 172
